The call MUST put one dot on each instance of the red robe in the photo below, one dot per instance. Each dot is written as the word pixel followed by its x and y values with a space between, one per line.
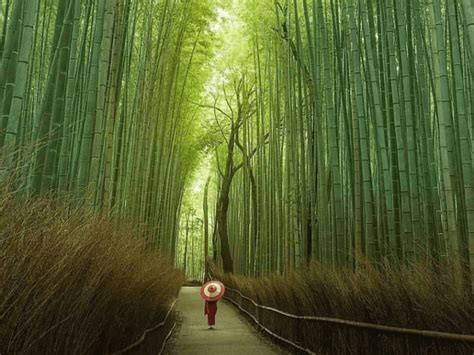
pixel 210 308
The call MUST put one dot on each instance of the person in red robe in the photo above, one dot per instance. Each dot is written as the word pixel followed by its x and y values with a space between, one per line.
pixel 210 308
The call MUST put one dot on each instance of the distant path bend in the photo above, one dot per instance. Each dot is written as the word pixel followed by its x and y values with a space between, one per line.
pixel 232 334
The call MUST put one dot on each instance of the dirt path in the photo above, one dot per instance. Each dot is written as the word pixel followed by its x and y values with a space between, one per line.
pixel 232 334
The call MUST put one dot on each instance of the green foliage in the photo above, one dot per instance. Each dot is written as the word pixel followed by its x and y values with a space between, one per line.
pixel 100 107
pixel 367 108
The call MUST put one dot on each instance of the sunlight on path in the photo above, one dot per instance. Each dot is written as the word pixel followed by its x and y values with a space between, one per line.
pixel 232 335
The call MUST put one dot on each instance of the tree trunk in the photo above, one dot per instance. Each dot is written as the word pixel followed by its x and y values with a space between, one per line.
pixel 205 208
pixel 222 209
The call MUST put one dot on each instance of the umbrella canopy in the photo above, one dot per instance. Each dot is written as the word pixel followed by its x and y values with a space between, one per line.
pixel 212 291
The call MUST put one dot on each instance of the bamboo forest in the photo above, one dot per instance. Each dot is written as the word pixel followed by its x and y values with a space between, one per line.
pixel 312 158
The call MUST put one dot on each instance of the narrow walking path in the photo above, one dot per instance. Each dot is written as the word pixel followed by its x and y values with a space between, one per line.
pixel 232 334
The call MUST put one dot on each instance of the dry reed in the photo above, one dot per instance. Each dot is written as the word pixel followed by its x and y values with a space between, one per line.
pixel 75 283
pixel 409 297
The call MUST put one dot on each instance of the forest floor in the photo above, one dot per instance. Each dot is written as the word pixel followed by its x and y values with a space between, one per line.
pixel 233 334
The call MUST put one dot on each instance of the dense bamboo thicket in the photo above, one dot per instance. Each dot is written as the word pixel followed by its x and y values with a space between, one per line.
pixel 95 99
pixel 332 133
pixel 350 136
pixel 97 140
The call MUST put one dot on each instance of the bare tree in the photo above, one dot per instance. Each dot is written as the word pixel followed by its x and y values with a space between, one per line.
pixel 239 108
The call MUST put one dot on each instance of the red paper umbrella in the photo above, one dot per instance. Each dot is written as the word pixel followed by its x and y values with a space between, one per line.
pixel 212 291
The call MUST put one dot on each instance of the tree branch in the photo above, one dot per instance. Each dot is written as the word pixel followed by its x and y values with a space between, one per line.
pixel 214 107
pixel 227 101
pixel 218 164
pixel 252 153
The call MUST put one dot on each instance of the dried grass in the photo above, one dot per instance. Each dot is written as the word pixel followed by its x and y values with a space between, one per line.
pixel 73 283
pixel 408 297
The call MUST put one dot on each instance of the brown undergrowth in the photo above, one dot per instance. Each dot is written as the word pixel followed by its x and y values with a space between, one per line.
pixel 73 283
pixel 409 297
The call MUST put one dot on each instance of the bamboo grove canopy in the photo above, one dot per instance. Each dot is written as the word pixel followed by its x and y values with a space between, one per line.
pixel 94 100
pixel 350 136
pixel 344 127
